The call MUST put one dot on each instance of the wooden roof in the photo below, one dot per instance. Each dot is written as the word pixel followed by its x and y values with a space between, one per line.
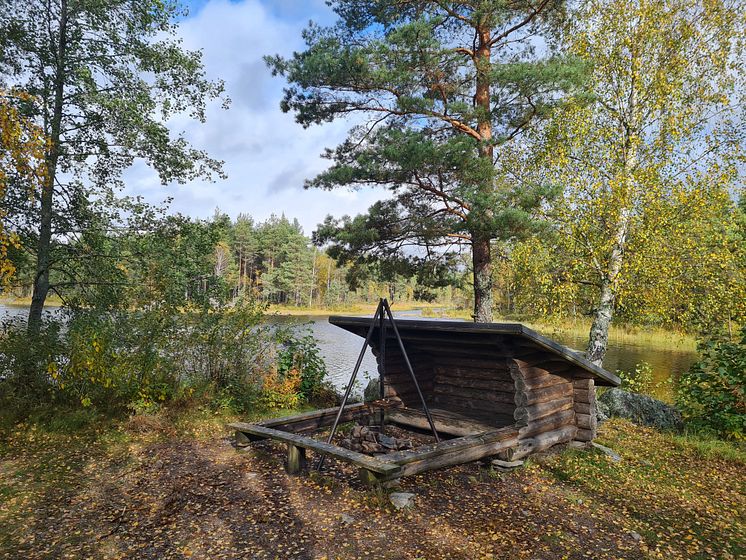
pixel 511 339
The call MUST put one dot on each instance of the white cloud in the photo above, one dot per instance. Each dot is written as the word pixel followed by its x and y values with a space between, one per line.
pixel 267 155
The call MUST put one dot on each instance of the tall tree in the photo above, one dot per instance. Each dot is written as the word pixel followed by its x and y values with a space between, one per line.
pixel 441 86
pixel 663 120
pixel 107 75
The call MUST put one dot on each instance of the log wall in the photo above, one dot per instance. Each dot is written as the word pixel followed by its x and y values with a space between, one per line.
pixel 397 381
pixel 546 401
pixel 584 393
pixel 544 407
pixel 479 389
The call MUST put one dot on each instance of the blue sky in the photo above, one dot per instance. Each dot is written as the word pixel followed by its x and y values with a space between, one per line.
pixel 267 155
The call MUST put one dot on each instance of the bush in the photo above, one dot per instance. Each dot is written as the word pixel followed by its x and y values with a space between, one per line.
pixel 641 381
pixel 711 394
pixel 134 361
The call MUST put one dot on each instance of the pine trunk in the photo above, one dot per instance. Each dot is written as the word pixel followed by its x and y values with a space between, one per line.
pixel 482 262
pixel 480 242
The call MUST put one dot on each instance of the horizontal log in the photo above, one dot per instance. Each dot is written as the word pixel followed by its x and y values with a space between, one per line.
pixel 585 435
pixel 507 436
pixel 585 396
pixel 470 361
pixel 406 394
pixel 586 421
pixel 477 394
pixel 543 394
pixel 544 441
pixel 558 369
pixel 451 352
pixel 584 408
pixel 527 414
pixel 469 404
pixel 369 463
pixel 473 372
pixel 585 384
pixel 316 419
pixel 547 424
pixel 540 382
pixel 443 425
pixel 489 417
pixel 406 377
pixel 486 384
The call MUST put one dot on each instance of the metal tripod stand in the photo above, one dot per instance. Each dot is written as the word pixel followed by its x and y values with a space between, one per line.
pixel 383 312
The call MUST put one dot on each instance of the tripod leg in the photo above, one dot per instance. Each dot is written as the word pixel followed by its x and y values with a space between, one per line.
pixel 348 390
pixel 411 371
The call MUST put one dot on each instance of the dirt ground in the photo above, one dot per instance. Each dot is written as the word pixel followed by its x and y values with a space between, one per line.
pixel 178 496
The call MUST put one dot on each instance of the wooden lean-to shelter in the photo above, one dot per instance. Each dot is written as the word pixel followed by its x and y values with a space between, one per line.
pixel 494 389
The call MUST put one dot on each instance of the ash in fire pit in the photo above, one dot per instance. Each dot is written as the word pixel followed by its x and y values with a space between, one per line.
pixel 369 439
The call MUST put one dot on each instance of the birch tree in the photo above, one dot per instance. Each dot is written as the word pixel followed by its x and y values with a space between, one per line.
pixel 663 116
pixel 105 76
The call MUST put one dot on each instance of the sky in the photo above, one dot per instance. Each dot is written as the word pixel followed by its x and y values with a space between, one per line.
pixel 267 155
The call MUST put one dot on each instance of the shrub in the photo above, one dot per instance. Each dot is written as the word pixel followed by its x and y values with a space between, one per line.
pixel 301 353
pixel 641 381
pixel 711 393
pixel 136 360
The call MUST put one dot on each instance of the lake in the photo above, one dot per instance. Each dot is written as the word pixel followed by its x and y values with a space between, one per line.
pixel 340 348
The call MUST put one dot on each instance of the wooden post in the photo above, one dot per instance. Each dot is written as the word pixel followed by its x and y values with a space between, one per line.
pixel 296 459
pixel 367 477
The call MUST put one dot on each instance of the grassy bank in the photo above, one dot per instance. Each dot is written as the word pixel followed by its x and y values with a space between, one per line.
pixel 52 301
pixel 622 334
pixel 172 486
pixel 354 309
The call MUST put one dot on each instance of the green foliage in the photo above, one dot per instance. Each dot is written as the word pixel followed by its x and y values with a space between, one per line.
pixel 641 380
pixel 712 394
pixel 444 87
pixel 301 353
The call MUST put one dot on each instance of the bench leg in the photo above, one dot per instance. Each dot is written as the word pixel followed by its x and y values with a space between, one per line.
pixel 296 459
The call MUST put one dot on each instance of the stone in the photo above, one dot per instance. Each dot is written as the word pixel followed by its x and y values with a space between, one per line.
pixel 372 391
pixel 506 466
pixel 642 410
pixel 371 447
pixel 615 457
pixel 401 500
pixel 387 441
pixel 602 412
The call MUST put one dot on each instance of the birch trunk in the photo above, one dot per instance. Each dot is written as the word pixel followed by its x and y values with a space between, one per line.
pixel 44 247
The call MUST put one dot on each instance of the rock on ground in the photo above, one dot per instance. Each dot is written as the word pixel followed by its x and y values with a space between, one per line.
pixel 640 409
pixel 401 500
